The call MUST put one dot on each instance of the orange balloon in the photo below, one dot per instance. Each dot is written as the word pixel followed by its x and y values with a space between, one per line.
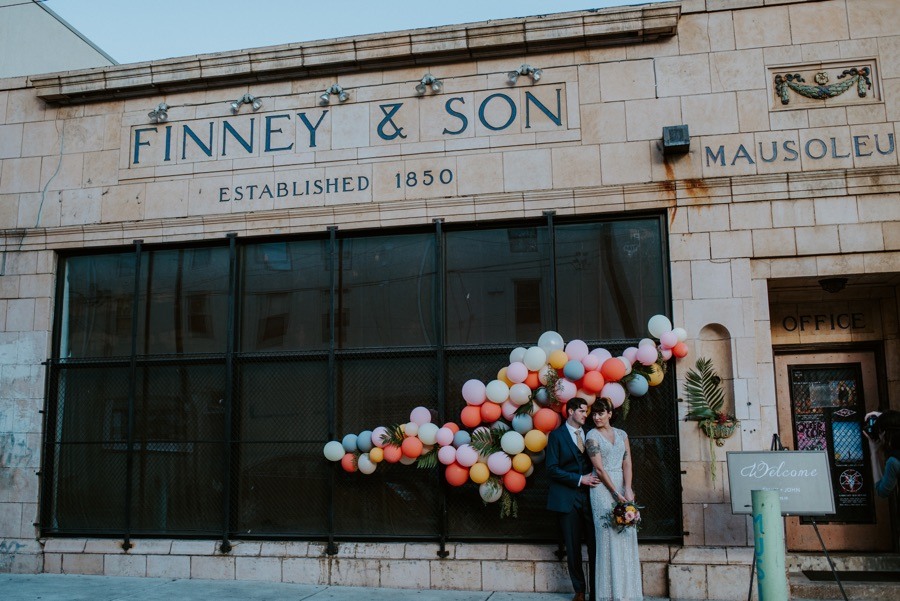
pixel 471 415
pixel 376 454
pixel 452 426
pixel 456 474
pixel 490 412
pixel 558 359
pixel 501 375
pixel 593 382
pixel 680 350
pixel 392 453
pixel 348 462
pixel 612 370
pixel 532 380
pixel 411 447
pixel 545 420
pixel 514 481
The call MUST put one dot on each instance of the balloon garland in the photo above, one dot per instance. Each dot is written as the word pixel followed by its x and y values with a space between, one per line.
pixel 506 421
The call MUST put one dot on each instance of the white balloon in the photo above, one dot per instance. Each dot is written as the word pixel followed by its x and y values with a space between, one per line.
pixel 490 493
pixel 497 391
pixel 334 450
pixel 519 394
pixel 428 433
pixel 550 341
pixel 602 354
pixel 626 363
pixel 659 325
pixel 512 442
pixel 681 333
pixel 517 354
pixel 535 357
pixel 365 464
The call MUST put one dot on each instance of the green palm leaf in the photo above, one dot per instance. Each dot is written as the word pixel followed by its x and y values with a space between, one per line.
pixel 703 389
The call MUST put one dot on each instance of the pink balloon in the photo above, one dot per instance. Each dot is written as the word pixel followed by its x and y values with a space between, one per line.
pixel 517 372
pixel 466 455
pixel 668 340
pixel 646 355
pixel 614 392
pixel 508 410
pixel 666 353
pixel 591 363
pixel 499 463
pixel 626 363
pixel 602 354
pixel 474 392
pixel 645 342
pixel 447 455
pixel 377 433
pixel 420 415
pixel 576 350
pixel 630 353
pixel 444 437
pixel 565 389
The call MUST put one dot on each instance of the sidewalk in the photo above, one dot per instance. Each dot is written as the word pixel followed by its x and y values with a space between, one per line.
pixel 66 587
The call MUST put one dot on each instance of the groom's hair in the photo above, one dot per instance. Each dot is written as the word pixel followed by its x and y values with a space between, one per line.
pixel 574 403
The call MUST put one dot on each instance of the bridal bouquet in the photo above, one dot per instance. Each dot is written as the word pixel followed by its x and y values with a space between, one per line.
pixel 625 515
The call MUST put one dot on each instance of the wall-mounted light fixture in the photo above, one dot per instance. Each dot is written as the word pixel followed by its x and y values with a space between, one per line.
pixel 160 114
pixel 250 99
pixel 526 69
pixel 335 90
pixel 429 80
pixel 833 285
pixel 676 139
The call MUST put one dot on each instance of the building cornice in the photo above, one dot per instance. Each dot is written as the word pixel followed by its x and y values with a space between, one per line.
pixel 489 39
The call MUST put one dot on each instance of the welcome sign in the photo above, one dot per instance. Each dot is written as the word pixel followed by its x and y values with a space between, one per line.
pixel 802 479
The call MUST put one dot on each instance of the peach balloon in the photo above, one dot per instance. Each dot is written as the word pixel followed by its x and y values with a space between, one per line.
pixel 412 447
pixel 490 412
pixel 456 474
pixel 612 370
pixel 533 380
pixel 514 481
pixel 545 420
pixel 392 453
pixel 471 414
pixel 592 382
pixel 348 462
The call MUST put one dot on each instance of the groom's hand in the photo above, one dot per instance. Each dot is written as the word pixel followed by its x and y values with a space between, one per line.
pixel 591 480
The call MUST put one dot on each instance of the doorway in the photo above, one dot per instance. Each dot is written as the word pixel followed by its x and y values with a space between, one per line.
pixel 822 398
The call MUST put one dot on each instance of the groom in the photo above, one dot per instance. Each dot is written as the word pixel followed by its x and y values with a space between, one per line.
pixel 571 478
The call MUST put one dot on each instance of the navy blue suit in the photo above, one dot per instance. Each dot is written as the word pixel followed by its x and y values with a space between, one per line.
pixel 571 502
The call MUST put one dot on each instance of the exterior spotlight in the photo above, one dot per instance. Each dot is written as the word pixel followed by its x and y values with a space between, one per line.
pixel 250 99
pixel 160 114
pixel 429 80
pixel 526 69
pixel 325 97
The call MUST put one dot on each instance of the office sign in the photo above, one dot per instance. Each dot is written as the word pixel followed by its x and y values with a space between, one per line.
pixel 802 478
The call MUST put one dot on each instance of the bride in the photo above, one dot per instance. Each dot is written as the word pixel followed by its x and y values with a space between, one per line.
pixel 618 569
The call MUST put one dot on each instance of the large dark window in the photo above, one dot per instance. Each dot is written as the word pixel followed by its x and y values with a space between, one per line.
pixel 192 389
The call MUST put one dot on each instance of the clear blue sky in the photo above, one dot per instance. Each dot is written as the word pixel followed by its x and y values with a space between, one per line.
pixel 132 31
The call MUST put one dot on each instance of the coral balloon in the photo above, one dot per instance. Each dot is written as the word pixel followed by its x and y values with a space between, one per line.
pixel 334 451
pixel 447 455
pixel 452 426
pixel 535 440
pixel 392 453
pixel 576 350
pixel 680 350
pixel 479 473
pixel 521 463
pixel 473 392
pixel 348 462
pixel 612 370
pixel 533 380
pixel 587 396
pixel 614 392
pixel 557 359
pixel 545 420
pixel 514 481
pixel 593 381
pixel 517 372
pixel 411 447
pixel 456 474
pixel 491 412
pixel 470 416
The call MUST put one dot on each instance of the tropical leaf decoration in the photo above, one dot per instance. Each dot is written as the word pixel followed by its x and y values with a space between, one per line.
pixel 428 460
pixel 703 391
pixel 487 440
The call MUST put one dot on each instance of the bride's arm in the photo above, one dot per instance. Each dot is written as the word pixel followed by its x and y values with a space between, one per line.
pixel 626 471
pixel 592 448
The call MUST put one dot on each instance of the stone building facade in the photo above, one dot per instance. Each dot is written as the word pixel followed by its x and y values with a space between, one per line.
pixel 782 225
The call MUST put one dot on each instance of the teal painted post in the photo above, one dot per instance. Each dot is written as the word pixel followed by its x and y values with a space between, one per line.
pixel 768 537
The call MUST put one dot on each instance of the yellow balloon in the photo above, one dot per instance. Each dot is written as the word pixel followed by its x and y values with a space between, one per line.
pixel 376 455
pixel 501 375
pixel 479 473
pixel 656 375
pixel 521 463
pixel 558 359
pixel 535 441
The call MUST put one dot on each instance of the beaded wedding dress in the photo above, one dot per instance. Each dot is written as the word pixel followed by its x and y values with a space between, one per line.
pixel 618 573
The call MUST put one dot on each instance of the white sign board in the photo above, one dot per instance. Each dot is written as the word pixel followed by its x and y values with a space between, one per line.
pixel 802 478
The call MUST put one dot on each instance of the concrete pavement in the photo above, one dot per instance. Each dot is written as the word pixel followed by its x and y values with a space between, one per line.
pixel 71 587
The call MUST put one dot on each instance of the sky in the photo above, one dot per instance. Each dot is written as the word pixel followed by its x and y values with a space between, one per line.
pixel 131 31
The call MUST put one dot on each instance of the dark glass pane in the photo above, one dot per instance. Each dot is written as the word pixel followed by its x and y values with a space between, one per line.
pixel 396 500
pixel 386 292
pixel 184 301
pixel 610 278
pixel 179 403
pixel 285 288
pixel 92 405
pixel 97 305
pixel 177 488
pixel 86 493
pixel 497 285
pixel 657 485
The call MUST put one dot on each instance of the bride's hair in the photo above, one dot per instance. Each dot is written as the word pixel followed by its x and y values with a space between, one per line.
pixel 604 404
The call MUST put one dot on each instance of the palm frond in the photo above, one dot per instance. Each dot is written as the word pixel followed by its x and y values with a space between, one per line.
pixel 487 440
pixel 395 435
pixel 703 391
pixel 429 459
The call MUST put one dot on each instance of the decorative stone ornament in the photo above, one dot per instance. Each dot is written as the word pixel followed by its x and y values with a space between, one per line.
pixel 858 77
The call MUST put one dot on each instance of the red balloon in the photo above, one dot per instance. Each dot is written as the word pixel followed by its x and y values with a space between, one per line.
pixel 680 350
pixel 471 415
pixel 411 447
pixel 532 380
pixel 593 382
pixel 452 426
pixel 490 412
pixel 514 481
pixel 348 462
pixel 545 420
pixel 612 370
pixel 392 453
pixel 456 474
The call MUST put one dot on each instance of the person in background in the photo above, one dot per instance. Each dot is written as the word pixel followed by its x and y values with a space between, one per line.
pixel 883 432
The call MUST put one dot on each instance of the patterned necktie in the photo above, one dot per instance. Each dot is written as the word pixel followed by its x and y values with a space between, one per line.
pixel 579 440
